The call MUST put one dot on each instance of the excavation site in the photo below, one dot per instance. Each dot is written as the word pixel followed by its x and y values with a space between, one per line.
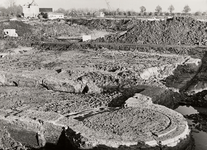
pixel 103 84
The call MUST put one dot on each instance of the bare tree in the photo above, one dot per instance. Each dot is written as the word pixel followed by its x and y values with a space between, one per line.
pixel 12 9
pixel 61 10
pixel 186 9
pixel 15 10
pixel 142 9
pixel 158 9
pixel 198 13
pixel 171 8
pixel 3 11
pixel 11 3
pixel 204 13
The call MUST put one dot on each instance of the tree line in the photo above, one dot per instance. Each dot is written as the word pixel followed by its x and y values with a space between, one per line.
pixel 118 12
pixel 171 8
pixel 12 10
pixel 16 10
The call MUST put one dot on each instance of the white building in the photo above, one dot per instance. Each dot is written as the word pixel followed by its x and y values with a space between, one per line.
pixel 30 10
pixel 10 33
pixel 52 15
pixel 101 14
pixel 86 38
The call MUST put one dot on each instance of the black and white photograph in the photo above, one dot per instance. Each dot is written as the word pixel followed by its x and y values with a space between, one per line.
pixel 103 74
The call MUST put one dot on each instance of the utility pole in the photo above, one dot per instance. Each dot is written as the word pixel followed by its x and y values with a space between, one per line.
pixel 108 5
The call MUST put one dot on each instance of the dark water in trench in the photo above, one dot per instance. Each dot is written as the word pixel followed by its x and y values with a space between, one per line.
pixel 198 126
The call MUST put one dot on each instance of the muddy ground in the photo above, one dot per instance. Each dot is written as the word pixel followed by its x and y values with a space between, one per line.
pixel 73 78
pixel 78 80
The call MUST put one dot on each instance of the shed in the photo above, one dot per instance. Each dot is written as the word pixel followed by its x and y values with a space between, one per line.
pixel 102 14
pixel 10 33
pixel 86 38
pixel 99 14
pixel 52 16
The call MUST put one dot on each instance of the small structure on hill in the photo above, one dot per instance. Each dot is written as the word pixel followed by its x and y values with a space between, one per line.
pixel 86 38
pixel 53 16
pixel 82 38
pixel 30 10
pixel 99 14
pixel 10 33
pixel 13 19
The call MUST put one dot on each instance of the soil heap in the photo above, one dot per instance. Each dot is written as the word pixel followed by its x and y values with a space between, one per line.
pixel 173 31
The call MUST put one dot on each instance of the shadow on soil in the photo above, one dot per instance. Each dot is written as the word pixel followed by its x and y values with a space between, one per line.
pixel 65 143
pixel 62 144
pixel 182 72
pixel 125 94
pixel 69 140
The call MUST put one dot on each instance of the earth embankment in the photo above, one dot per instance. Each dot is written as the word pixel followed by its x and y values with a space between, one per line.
pixel 43 91
pixel 99 93
pixel 172 31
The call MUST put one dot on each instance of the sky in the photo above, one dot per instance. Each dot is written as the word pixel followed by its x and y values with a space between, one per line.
pixel 195 5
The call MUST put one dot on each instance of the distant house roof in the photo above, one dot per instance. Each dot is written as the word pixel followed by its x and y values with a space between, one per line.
pixel 45 10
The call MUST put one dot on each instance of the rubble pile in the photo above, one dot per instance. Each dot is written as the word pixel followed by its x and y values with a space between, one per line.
pixel 23 30
pixel 50 30
pixel 41 31
pixel 200 121
pixel 175 31
pixel 21 27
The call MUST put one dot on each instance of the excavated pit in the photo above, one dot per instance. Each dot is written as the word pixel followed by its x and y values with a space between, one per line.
pixel 90 101
pixel 92 95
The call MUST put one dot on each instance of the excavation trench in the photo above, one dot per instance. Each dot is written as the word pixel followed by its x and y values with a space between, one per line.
pixel 71 96
pixel 94 110
pixel 90 129
pixel 100 128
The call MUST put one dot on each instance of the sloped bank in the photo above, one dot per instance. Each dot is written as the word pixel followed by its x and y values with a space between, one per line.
pixel 139 125
pixel 93 119
pixel 196 90
pixel 174 31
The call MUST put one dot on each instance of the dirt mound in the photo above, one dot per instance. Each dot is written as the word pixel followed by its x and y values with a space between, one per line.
pixel 23 30
pixel 175 31
pixel 110 24
pixel 51 29
pixel 21 27
pixel 42 31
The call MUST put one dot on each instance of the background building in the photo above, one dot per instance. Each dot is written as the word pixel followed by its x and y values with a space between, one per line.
pixel 52 15
pixel 30 10
pixel 99 14
pixel 45 10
